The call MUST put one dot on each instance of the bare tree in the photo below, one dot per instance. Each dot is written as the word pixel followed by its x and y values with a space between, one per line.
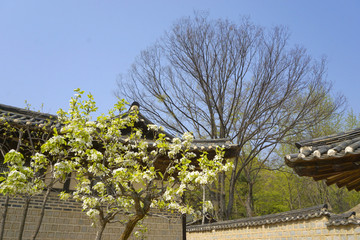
pixel 225 80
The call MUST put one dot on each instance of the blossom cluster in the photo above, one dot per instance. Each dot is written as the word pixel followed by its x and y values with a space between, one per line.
pixel 115 172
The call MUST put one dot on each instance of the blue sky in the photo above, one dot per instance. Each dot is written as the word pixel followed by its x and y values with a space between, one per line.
pixel 49 48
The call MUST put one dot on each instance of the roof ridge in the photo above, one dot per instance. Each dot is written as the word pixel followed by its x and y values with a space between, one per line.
pixel 25 111
pixel 330 139
pixel 211 139
pixel 24 117
pixel 343 219
pixel 304 213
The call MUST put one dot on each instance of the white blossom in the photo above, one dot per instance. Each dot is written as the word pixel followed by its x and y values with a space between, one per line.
pixel 153 127
pixel 92 213
pixel 118 169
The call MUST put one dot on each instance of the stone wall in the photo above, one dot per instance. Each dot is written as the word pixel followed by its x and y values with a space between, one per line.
pixel 276 227
pixel 65 221
pixel 308 229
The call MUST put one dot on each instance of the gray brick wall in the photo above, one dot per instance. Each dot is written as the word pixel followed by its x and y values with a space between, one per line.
pixel 310 229
pixel 65 221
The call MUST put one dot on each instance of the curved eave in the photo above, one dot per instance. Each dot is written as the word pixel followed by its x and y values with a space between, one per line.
pixel 23 118
pixel 296 160
pixel 342 169
pixel 330 139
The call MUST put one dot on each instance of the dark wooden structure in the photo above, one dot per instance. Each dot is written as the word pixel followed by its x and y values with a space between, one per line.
pixel 334 158
pixel 35 128
pixel 23 130
pixel 27 130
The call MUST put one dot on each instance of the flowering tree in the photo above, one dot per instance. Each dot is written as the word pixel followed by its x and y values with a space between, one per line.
pixel 120 169
pixel 21 180
pixel 26 169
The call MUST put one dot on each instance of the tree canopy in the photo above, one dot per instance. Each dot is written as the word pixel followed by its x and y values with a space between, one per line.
pixel 116 163
pixel 222 79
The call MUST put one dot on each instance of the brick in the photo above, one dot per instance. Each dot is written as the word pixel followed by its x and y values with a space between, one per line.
pixel 74 224
pixel 310 229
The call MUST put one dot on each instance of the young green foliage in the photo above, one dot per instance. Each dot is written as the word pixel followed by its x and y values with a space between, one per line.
pixel 118 170
pixel 28 172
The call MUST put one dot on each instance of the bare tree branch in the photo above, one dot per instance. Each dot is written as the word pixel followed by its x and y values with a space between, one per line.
pixel 225 80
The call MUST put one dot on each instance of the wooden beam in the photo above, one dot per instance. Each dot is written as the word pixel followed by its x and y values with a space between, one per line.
pixel 349 177
pixel 353 184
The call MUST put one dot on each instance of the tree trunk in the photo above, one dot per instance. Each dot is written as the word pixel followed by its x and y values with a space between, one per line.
pixel 231 191
pixel 203 210
pixel 213 195
pixel 6 206
pixel 24 214
pixel 230 203
pixel 130 225
pixel 250 202
pixel 222 196
pixel 291 198
pixel 42 213
pixel 100 231
pixel 183 219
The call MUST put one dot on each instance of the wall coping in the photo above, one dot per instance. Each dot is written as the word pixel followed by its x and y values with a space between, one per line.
pixel 300 214
pixel 294 215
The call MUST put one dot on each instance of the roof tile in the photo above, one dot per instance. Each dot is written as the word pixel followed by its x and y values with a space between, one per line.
pixel 306 213
pixel 327 157
pixel 28 118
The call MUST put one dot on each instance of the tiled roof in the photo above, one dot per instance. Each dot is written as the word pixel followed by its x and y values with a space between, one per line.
pixel 24 117
pixel 201 144
pixel 335 158
pixel 300 214
pixel 294 215
pixel 211 144
pixel 343 219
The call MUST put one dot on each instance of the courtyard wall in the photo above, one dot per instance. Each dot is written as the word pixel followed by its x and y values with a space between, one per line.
pixel 310 224
pixel 64 220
